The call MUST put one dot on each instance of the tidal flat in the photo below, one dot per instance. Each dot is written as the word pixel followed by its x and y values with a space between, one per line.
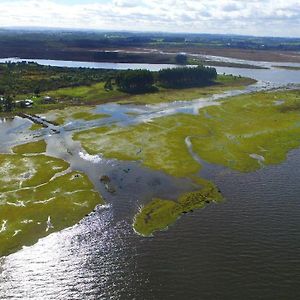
pixel 243 133
pixel 39 195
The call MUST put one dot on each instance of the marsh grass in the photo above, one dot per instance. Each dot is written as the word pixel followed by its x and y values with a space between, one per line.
pixel 232 134
pixel 38 196
pixel 159 214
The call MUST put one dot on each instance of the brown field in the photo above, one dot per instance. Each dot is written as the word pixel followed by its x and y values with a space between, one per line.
pixel 255 55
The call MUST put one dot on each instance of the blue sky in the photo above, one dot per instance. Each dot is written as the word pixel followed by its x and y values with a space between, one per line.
pixel 254 17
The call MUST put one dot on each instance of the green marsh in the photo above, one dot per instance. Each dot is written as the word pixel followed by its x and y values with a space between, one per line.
pixel 39 195
pixel 243 133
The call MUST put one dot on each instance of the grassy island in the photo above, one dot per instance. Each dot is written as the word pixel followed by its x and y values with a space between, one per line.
pixel 159 214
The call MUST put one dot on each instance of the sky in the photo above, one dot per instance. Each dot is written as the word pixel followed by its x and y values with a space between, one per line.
pixel 255 17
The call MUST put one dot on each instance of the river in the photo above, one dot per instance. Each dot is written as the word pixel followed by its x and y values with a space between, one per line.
pixel 245 248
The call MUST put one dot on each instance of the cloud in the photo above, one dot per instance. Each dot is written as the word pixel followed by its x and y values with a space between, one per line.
pixel 257 17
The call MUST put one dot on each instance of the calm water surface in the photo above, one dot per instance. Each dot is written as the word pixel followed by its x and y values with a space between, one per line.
pixel 244 248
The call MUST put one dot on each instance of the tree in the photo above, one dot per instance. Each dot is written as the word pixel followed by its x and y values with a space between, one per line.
pixel 186 77
pixel 135 81
pixel 108 84
pixel 8 103
pixel 37 91
pixel 181 59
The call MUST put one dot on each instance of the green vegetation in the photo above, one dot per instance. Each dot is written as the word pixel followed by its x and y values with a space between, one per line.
pixel 159 214
pixel 142 81
pixel 61 116
pixel 181 59
pixel 88 116
pixel 34 147
pixel 38 197
pixel 222 84
pixel 31 78
pixel 66 86
pixel 159 145
pixel 291 68
pixel 135 81
pixel 35 127
pixel 97 94
pixel 249 131
pixel 53 88
pixel 187 77
pixel 20 171
pixel 86 94
pixel 243 133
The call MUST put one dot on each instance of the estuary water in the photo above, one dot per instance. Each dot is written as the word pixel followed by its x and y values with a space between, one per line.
pixel 244 248
pixel 273 75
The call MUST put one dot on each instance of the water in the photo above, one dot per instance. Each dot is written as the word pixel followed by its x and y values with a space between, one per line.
pixel 94 65
pixel 244 248
pixel 274 75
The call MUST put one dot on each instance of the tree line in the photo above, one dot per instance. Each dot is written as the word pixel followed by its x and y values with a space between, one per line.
pixel 186 77
pixel 139 81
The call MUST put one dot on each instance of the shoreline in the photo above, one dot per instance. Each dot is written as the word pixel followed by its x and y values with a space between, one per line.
pixel 66 97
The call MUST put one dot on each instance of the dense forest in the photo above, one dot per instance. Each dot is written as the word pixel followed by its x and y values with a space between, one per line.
pixel 135 81
pixel 186 77
pixel 139 81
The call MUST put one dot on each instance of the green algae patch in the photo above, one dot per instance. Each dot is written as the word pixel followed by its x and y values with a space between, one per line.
pixel 34 147
pixel 159 214
pixel 35 127
pixel 61 116
pixel 39 196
